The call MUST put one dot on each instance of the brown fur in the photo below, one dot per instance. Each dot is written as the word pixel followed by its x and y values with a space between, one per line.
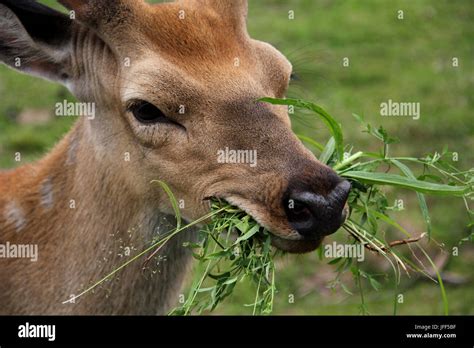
pixel 173 62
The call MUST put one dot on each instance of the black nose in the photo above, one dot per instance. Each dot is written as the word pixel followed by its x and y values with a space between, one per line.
pixel 313 215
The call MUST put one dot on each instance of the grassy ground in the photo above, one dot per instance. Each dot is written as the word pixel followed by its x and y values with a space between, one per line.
pixel 406 60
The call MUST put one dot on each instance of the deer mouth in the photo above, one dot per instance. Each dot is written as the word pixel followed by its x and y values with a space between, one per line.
pixel 290 242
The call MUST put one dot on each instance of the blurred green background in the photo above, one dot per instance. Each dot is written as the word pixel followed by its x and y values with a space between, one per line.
pixel 409 60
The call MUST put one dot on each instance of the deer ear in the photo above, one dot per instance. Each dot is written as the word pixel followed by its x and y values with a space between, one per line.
pixel 35 39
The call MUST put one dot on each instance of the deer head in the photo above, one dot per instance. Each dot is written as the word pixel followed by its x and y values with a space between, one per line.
pixel 174 85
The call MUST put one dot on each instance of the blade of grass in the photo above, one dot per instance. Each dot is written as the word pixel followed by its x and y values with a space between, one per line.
pixel 405 182
pixel 440 281
pixel 173 201
pixel 310 141
pixel 144 252
pixel 328 151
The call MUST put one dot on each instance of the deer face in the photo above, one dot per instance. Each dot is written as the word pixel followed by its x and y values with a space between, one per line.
pixel 177 87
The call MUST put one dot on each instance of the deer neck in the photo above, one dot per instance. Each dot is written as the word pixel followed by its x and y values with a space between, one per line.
pixel 86 222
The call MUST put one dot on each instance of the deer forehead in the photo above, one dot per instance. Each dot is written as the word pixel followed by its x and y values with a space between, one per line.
pixel 157 79
pixel 188 27
pixel 194 42
pixel 155 75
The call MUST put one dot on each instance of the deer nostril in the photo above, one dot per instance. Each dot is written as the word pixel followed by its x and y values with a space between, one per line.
pixel 299 214
pixel 300 210
pixel 313 215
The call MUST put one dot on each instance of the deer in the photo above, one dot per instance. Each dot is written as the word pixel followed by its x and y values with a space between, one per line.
pixel 141 65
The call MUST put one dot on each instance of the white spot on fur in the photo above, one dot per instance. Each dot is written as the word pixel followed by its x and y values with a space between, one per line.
pixel 15 216
pixel 46 192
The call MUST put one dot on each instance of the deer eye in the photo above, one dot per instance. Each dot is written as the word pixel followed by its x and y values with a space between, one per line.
pixel 148 113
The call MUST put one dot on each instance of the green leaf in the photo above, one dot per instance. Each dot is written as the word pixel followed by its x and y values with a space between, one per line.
pixel 336 260
pixel 374 283
pixel 444 297
pixel 387 139
pixel 331 123
pixel 359 119
pixel 421 197
pixel 205 289
pixel 231 281
pixel 310 141
pixel 218 254
pixel 348 160
pixel 242 224
pixel 320 252
pixel 345 288
pixel 389 221
pixel 432 177
pixel 404 182
pixel 469 238
pixel 223 276
pixel 248 234
pixel 328 151
pixel 174 202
